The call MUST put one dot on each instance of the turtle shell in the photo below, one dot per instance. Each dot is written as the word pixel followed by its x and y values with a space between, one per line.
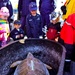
pixel 31 66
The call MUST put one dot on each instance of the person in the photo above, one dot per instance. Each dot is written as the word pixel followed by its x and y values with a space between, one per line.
pixel 67 35
pixel 69 7
pixel 45 8
pixel 17 33
pixel 23 11
pixel 63 9
pixel 4 26
pixel 54 27
pixel 33 22
pixel 67 38
pixel 7 3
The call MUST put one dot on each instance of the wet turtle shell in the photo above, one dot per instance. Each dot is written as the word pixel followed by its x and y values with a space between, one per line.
pixel 31 66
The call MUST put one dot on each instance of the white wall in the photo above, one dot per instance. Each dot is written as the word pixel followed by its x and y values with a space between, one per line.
pixel 59 3
pixel 14 3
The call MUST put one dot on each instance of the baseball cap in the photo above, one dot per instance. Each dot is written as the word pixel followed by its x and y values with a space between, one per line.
pixel 32 6
pixel 17 22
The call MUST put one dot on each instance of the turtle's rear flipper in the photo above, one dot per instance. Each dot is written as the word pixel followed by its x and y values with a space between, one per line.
pixel 15 64
pixel 49 67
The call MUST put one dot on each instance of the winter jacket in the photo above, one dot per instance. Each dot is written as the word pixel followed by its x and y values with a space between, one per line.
pixel 16 32
pixel 33 26
pixel 53 30
pixel 67 33
pixel 70 5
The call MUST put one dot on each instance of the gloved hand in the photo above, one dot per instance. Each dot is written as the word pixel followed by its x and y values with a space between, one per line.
pixel 44 29
pixel 40 37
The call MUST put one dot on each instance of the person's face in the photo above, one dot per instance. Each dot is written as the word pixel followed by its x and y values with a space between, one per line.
pixel 4 17
pixel 17 26
pixel 33 12
pixel 55 21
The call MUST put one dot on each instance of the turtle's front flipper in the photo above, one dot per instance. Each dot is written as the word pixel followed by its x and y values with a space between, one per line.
pixel 15 64
pixel 49 67
pixel 22 41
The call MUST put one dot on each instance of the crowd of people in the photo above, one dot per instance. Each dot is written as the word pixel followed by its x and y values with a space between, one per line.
pixel 48 24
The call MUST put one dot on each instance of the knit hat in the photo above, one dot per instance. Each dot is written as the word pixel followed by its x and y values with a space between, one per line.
pixel 54 15
pixel 4 11
pixel 32 6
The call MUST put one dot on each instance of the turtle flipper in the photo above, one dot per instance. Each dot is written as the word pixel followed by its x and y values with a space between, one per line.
pixel 22 41
pixel 15 64
pixel 49 67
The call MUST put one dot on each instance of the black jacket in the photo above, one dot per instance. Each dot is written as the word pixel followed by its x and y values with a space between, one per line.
pixel 15 32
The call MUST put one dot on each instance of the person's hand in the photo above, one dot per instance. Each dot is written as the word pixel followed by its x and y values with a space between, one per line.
pixel 40 37
pixel 21 35
pixel 17 36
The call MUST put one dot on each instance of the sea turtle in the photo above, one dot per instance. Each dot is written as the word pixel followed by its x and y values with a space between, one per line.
pixel 30 66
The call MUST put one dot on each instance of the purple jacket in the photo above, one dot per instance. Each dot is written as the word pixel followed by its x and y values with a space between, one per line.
pixel 46 6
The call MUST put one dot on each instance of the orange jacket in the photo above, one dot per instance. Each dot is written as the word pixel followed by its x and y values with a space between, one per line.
pixel 68 30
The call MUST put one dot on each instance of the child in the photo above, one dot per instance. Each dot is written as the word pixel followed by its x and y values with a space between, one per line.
pixel 4 26
pixel 54 27
pixel 17 33
pixel 33 22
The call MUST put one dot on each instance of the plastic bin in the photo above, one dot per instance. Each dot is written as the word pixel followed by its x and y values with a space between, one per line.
pixel 47 51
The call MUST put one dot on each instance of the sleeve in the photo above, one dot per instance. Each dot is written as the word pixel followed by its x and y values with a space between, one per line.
pixel 28 29
pixel 19 8
pixel 40 4
pixel 9 6
pixel 52 5
pixel 22 32
pixel 33 0
pixel 41 26
pixel 12 35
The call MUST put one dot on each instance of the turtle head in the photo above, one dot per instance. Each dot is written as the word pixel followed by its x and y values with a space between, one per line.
pixel 30 55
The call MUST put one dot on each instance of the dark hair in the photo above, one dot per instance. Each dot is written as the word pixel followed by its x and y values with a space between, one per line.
pixel 63 9
pixel 17 22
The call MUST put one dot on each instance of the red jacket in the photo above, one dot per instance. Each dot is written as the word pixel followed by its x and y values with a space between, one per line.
pixel 68 30
pixel 52 33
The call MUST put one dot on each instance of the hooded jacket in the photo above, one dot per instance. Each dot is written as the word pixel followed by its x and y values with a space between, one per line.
pixel 67 33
